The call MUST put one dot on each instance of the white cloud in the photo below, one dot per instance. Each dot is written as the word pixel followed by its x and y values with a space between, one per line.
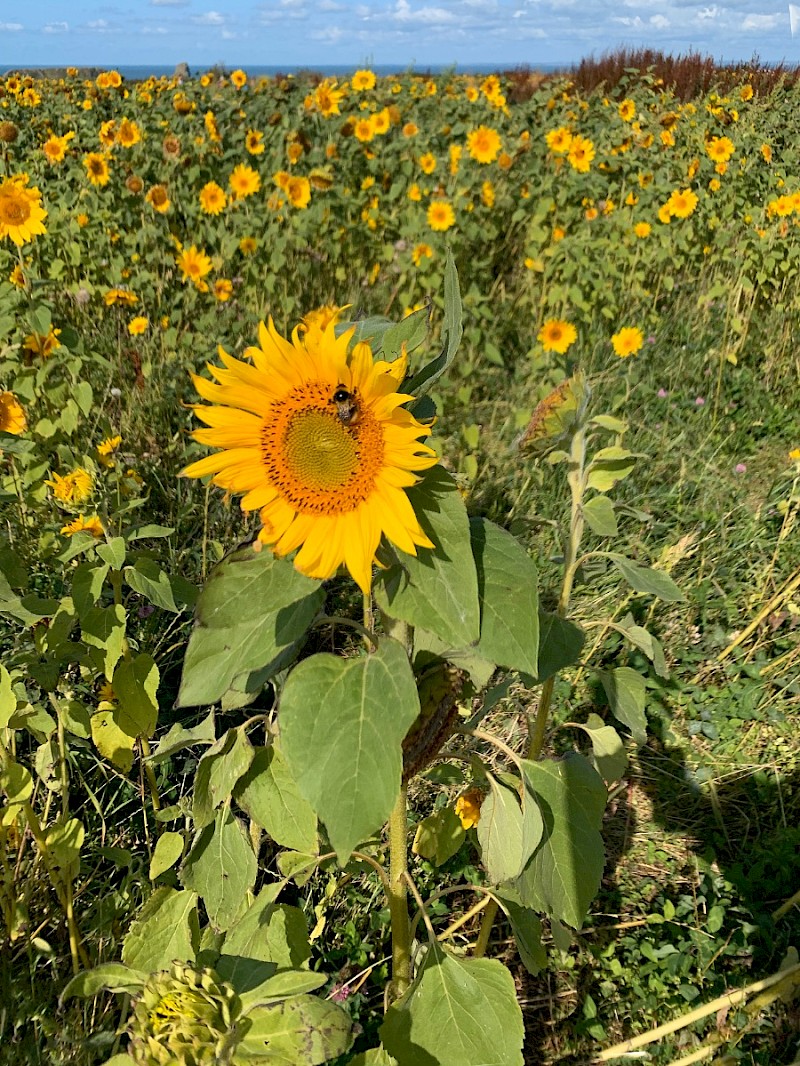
pixel 56 27
pixel 154 30
pixel 229 35
pixel 403 12
pixel 11 27
pixel 328 34
pixel 709 12
pixel 98 25
pixel 209 18
pixel 762 22
pixel 659 22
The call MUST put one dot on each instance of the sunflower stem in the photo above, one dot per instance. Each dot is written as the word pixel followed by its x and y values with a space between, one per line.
pixel 537 726
pixel 398 898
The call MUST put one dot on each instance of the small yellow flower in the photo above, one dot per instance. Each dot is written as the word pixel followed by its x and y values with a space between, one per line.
pixel 42 344
pixel 106 449
pixel 484 144
pixel 441 215
pixel 556 335
pixel 12 415
pixel 244 181
pixel 213 198
pixel 363 81
pixel 254 142
pixel 427 163
pixel 794 454
pixel 248 245
pixel 642 229
pixel 468 808
pixel 682 203
pixel 194 264
pixel 158 198
pixel 238 79
pixel 223 289
pixel 420 252
pixel 97 169
pixel 580 154
pixel 138 325
pixel 628 341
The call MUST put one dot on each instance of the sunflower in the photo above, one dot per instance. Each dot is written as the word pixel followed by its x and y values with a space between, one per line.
pixel 642 229
pixel 487 194
pixel 128 133
pixel 248 245
pixel 194 264
pixel 364 130
pixel 441 215
pixel 254 142
pixel 238 79
pixel 12 416
pixel 325 98
pixel 556 335
pixel 107 449
pixel 298 192
pixel 244 181
pixel 363 81
pixel 223 289
pixel 74 487
pixel 627 110
pixel 327 479
pixel 107 132
pixel 483 144
pixel 212 129
pixel 468 808
pixel 410 129
pixel 628 341
pixel 42 344
pixel 580 154
pixel 381 121
pixel 120 296
pixel 21 212
pixel 92 525
pixel 97 168
pixel 720 149
pixel 138 325
pixel 420 252
pixel 682 203
pixel 55 148
pixel 158 198
pixel 213 198
pixel 559 140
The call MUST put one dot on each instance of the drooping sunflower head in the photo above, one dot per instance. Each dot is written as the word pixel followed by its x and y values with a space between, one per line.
pixel 316 438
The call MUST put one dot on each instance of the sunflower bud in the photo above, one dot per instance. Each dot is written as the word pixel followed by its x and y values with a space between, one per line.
pixel 184 1017
pixel 9 131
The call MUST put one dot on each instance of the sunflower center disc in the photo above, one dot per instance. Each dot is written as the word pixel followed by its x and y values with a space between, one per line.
pixel 14 212
pixel 320 452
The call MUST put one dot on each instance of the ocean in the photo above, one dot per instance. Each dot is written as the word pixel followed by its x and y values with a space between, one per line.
pixel 139 73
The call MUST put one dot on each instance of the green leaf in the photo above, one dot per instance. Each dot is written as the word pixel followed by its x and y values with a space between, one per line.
pixel 646 642
pixel 64 841
pixel 614 425
pixel 457 1012
pixel 507 587
pixel 113 552
pixel 411 331
pixel 16 782
pixel 282 985
pixel 371 329
pixel 268 937
pixel 150 581
pixel 608 466
pixel 609 753
pixel 218 772
pixel 135 683
pixel 111 976
pixel 560 645
pixel 625 689
pixel 148 531
pixel 162 932
pixel 342 725
pixel 374 1057
pixel 252 616
pixel 222 868
pixel 168 849
pixel 302 1031
pixel 180 737
pixel 508 835
pixel 104 628
pixel 270 796
pixel 8 701
pixel 87 584
pixel 438 588
pixel 564 874
pixel 527 930
pixel 645 579
pixel 439 836
pixel 452 331
pixel 112 742
pixel 600 517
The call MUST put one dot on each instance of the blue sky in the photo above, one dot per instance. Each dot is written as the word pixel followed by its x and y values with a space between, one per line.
pixel 402 32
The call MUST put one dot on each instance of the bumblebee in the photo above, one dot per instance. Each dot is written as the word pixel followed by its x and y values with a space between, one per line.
pixel 346 404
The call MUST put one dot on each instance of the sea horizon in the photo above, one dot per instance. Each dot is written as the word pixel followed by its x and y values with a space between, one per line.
pixel 138 72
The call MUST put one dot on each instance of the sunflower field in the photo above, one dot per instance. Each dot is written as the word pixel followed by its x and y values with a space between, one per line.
pixel 399 569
